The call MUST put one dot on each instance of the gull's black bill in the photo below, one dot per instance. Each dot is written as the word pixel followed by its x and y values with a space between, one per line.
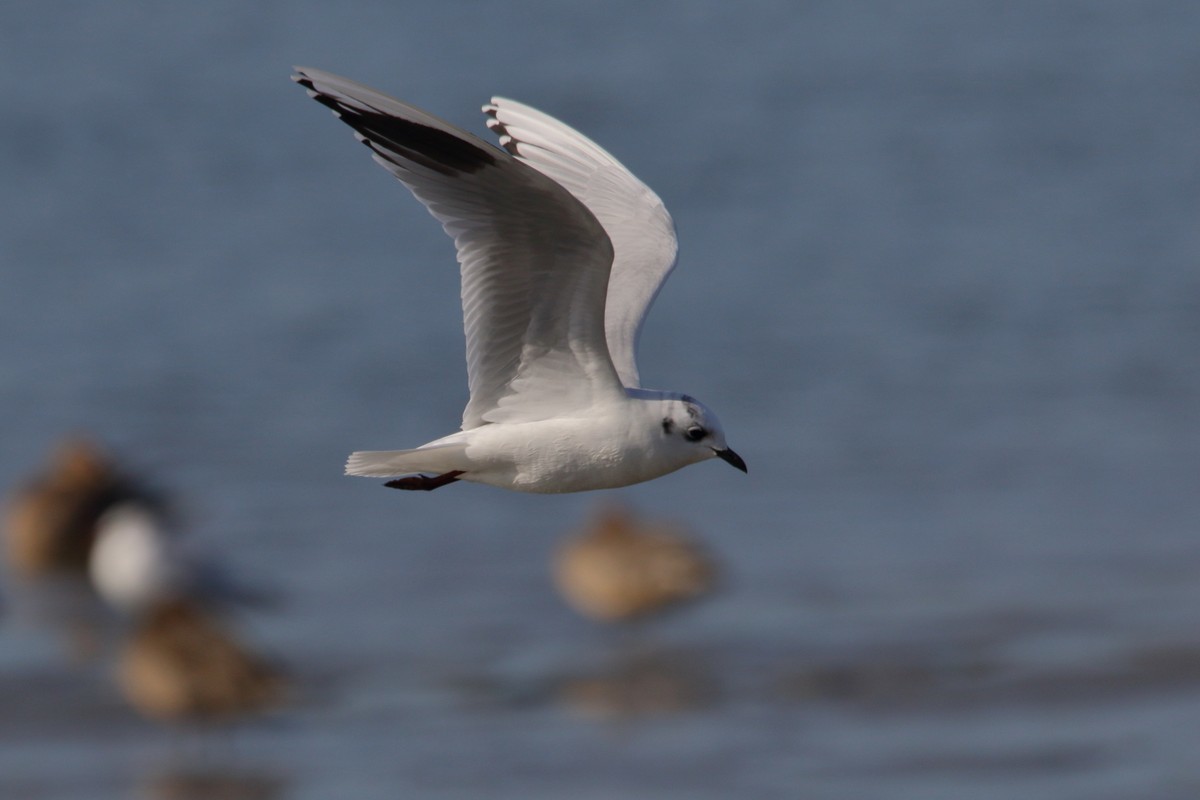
pixel 732 458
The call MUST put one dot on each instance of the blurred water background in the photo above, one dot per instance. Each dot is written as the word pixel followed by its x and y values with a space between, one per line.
pixel 939 278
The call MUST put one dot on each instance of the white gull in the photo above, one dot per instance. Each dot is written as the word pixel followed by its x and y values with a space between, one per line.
pixel 562 252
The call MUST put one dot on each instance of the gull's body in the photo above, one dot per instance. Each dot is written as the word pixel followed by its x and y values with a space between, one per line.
pixel 562 252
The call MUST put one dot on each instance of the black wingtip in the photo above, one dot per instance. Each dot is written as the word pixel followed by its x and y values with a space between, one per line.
pixel 432 147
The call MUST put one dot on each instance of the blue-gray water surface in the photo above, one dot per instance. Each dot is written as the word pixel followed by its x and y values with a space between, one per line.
pixel 939 277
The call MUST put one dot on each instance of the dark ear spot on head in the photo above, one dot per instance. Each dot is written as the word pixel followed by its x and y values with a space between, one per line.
pixel 668 425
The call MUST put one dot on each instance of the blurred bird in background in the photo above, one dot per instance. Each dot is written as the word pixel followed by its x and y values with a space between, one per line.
pixel 50 527
pixel 181 665
pixel 620 568
pixel 50 523
pixel 87 528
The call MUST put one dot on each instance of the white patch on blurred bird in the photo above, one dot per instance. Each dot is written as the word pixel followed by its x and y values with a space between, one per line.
pixel 562 252
pixel 135 562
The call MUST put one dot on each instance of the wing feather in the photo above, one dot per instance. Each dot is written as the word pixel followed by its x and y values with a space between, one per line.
pixel 535 262
pixel 637 222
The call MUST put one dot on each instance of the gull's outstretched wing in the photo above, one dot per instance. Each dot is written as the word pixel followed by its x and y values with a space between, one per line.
pixel 641 230
pixel 535 262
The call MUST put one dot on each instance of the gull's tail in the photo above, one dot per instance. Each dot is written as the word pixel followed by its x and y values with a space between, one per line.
pixel 389 463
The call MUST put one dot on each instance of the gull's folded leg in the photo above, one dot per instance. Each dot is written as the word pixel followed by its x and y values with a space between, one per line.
pixel 424 483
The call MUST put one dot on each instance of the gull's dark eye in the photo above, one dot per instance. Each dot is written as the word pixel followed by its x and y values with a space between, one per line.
pixel 695 433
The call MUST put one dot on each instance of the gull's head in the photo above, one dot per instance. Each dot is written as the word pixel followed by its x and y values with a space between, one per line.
pixel 689 424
